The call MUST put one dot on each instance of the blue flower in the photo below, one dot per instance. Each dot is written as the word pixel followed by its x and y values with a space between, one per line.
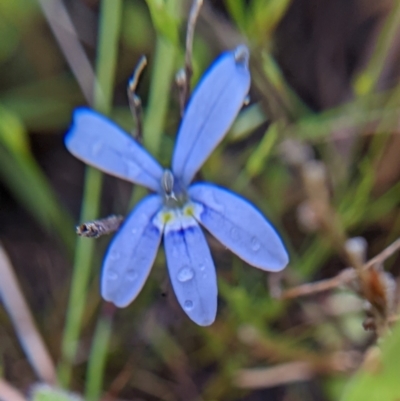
pixel 177 208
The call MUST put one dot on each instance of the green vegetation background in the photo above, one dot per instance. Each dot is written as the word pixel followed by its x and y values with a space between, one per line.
pixel 324 82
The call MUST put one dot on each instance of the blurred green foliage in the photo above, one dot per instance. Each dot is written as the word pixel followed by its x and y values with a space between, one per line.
pixel 47 393
pixel 150 349
pixel 378 378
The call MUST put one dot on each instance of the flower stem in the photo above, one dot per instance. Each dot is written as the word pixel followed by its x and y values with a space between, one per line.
pixel 98 354
pixel 105 71
pixel 161 78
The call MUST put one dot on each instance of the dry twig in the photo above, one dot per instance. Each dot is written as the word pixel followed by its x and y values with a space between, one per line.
pixel 343 278
pixel 135 102
pixel 184 76
pixel 65 34
pixel 9 393
pixel 275 376
pixel 27 332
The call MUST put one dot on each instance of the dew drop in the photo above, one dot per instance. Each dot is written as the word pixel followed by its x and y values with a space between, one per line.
pixel 217 219
pixel 185 274
pixel 242 55
pixel 96 148
pixel 132 169
pixel 190 237
pixel 112 275
pixel 213 202
pixel 144 217
pixel 235 235
pixel 134 231
pixel 131 275
pixel 202 267
pixel 114 255
pixel 188 305
pixel 255 244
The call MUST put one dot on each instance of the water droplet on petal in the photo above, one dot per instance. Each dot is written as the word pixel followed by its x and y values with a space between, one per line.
pixel 134 231
pixel 213 202
pixel 131 275
pixel 190 237
pixel 132 169
pixel 255 244
pixel 217 219
pixel 144 217
pixel 96 148
pixel 175 252
pixel 114 255
pixel 112 275
pixel 202 267
pixel 185 274
pixel 132 152
pixel 188 305
pixel 235 233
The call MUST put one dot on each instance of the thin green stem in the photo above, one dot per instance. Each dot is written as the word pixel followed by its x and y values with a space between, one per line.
pixel 366 82
pixel 80 278
pixel 161 79
pixel 97 360
pixel 105 71
pixel 162 76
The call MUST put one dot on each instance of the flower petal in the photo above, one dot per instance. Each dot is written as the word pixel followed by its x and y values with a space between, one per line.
pixel 97 141
pixel 191 268
pixel 132 252
pixel 211 111
pixel 239 226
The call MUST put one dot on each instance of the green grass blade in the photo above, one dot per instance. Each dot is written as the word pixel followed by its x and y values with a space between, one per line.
pixel 105 71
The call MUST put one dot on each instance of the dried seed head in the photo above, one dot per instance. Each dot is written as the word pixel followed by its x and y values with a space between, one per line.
pixel 307 217
pixel 379 289
pixel 180 78
pixel 242 55
pixel 357 248
pixel 295 153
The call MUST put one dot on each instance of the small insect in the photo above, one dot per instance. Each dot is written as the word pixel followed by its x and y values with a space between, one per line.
pixel 97 228
pixel 177 207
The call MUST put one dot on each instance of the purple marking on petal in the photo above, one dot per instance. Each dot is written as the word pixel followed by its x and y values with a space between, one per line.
pixel 191 269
